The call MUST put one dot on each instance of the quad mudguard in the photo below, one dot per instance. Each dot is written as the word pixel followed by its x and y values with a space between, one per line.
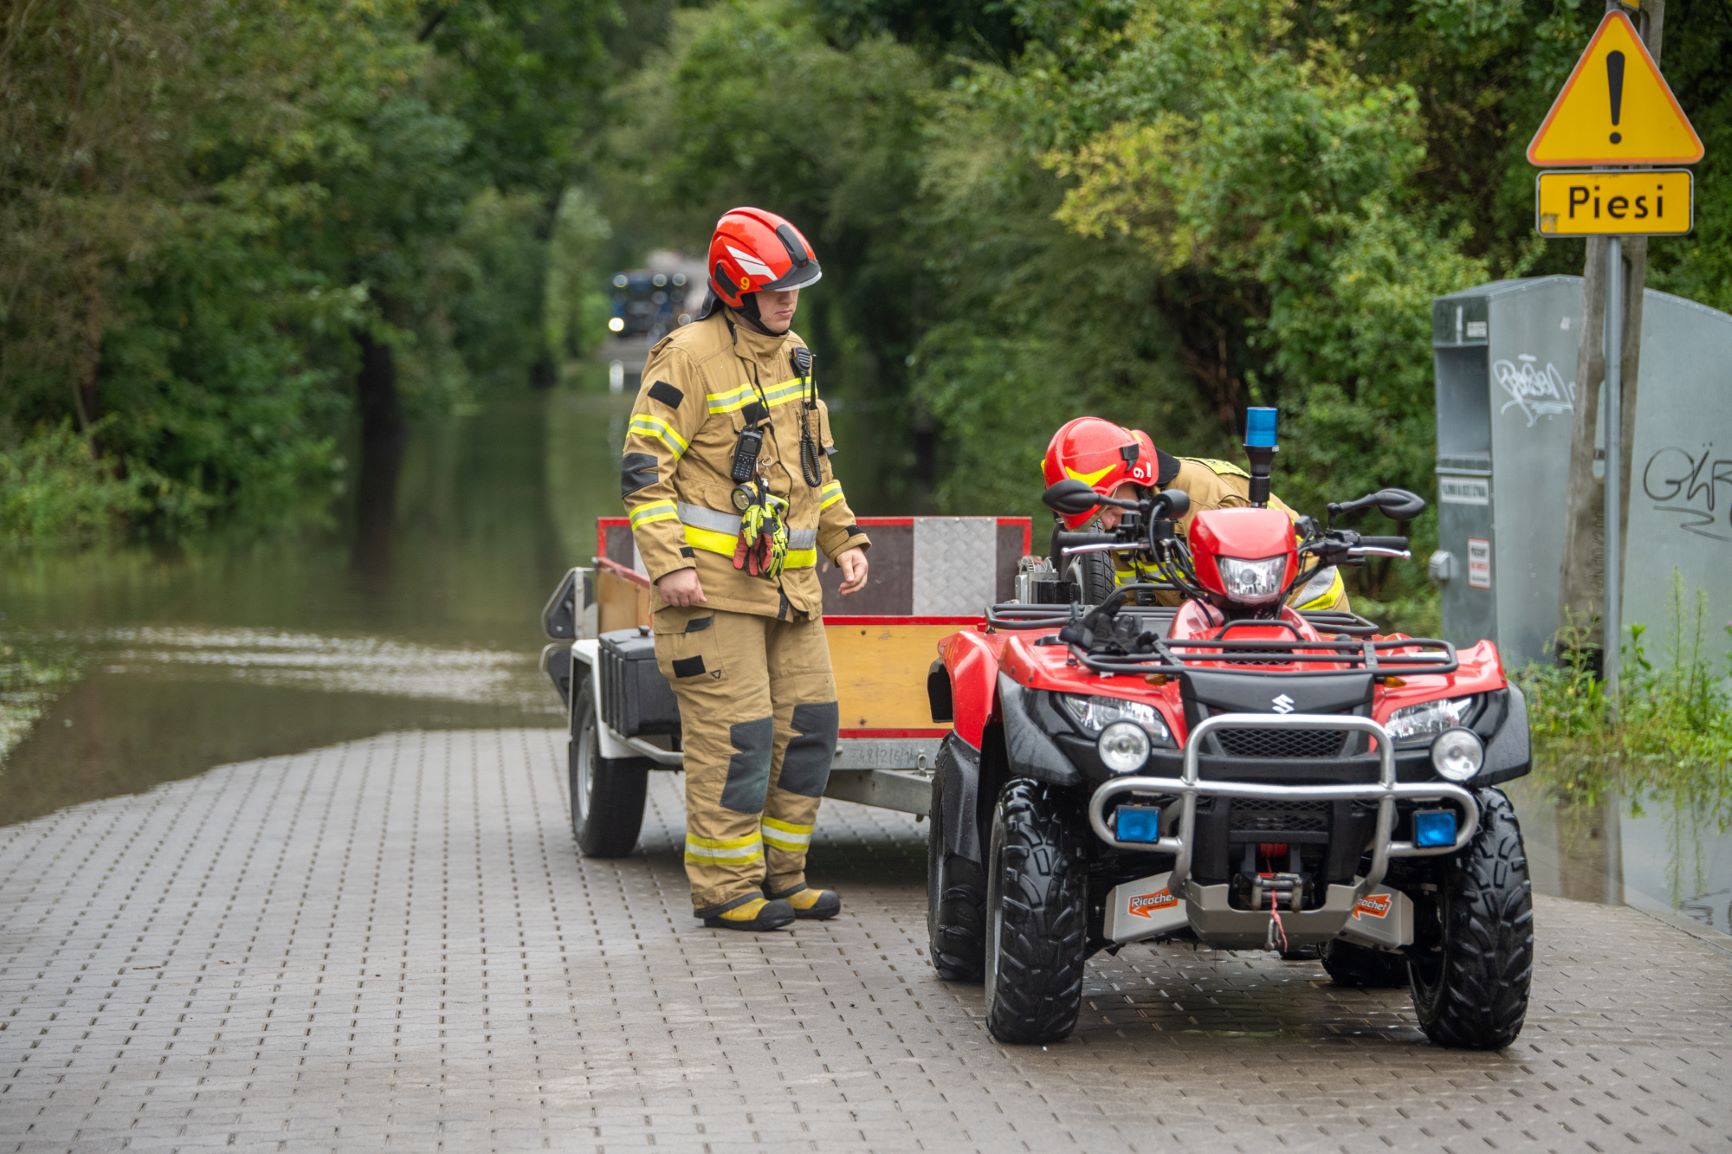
pixel 1028 745
pixel 962 686
pixel 1508 746
pixel 960 794
pixel 997 731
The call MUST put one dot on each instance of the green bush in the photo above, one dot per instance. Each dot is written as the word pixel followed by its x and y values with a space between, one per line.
pixel 1670 733
pixel 53 488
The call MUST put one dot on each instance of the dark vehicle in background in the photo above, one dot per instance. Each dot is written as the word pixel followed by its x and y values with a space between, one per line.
pixel 648 303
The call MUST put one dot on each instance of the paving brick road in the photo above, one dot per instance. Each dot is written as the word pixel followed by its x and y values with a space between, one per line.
pixel 391 944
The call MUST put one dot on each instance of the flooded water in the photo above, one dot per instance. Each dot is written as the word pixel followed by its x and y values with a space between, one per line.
pixel 1670 855
pixel 417 606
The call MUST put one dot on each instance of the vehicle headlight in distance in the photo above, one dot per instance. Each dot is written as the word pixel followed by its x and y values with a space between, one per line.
pixel 1457 754
pixel 1252 582
pixel 1094 714
pixel 1408 726
pixel 616 324
pixel 1123 746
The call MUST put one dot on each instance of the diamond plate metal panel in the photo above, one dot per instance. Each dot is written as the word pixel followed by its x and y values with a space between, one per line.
pixel 955 565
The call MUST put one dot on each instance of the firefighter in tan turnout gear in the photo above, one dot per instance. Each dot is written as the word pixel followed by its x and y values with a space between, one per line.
pixel 726 477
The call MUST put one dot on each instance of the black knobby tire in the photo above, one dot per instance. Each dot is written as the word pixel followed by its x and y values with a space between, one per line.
pixel 955 897
pixel 1092 573
pixel 1353 965
pixel 1472 960
pixel 1037 916
pixel 607 794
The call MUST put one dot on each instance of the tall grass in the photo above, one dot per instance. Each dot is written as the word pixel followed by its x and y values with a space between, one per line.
pixel 1670 735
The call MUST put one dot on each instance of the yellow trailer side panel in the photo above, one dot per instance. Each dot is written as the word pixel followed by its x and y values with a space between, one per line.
pixel 881 673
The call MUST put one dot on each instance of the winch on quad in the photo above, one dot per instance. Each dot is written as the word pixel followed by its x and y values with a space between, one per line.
pixel 1196 759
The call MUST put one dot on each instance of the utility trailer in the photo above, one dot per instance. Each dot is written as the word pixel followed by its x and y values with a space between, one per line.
pixel 931 576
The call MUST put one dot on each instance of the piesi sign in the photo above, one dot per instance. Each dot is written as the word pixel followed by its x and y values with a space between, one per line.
pixel 1655 202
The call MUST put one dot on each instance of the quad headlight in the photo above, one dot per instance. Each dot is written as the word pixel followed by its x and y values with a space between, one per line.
pixel 1416 723
pixel 1457 754
pixel 1095 714
pixel 1123 746
pixel 1252 582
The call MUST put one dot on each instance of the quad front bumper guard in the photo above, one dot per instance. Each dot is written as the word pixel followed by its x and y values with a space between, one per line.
pixel 1386 791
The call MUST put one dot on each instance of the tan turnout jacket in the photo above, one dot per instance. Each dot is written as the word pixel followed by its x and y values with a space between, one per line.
pixel 679 452
pixel 1216 485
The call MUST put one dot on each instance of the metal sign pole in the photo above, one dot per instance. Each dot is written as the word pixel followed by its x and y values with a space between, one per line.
pixel 1614 462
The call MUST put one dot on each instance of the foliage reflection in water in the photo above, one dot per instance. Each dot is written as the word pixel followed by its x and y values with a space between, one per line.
pixel 1636 803
pixel 415 606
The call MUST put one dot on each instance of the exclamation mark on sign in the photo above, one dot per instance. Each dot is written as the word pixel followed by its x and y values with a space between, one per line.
pixel 1615 82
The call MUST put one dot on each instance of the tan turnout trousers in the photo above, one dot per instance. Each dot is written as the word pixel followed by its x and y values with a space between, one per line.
pixel 758 718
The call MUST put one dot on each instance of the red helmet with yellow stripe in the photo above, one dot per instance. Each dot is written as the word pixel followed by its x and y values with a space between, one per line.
pixel 1102 456
pixel 752 250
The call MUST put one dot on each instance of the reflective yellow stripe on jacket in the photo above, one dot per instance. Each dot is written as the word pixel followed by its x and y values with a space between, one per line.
pixel 738 398
pixel 652 511
pixel 647 425
pixel 714 531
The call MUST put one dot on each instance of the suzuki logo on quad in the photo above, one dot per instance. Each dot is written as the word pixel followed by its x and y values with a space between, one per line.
pixel 1283 704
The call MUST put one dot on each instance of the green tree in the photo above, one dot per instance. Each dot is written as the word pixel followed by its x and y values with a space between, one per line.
pixel 749 104
pixel 216 216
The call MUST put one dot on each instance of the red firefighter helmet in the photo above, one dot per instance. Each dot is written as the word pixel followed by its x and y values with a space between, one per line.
pixel 752 250
pixel 1102 456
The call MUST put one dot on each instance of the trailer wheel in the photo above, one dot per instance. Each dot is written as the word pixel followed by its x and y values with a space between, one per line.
pixel 1473 954
pixel 1037 916
pixel 955 897
pixel 1091 573
pixel 1354 965
pixel 607 793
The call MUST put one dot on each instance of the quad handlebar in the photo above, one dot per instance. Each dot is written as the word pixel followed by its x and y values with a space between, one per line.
pixel 1148 526
pixel 1069 543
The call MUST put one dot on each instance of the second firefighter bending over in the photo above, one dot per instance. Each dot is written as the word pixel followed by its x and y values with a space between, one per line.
pixel 727 480
pixel 1116 461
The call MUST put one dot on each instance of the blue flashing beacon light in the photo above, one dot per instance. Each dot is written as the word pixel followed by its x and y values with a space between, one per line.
pixel 1261 449
pixel 1260 428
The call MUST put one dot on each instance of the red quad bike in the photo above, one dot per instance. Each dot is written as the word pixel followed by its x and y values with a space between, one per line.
pixel 1229 771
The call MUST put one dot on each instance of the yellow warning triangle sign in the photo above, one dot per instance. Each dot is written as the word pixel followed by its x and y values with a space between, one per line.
pixel 1615 108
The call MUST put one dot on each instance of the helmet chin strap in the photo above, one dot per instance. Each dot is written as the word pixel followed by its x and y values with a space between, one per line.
pixel 749 313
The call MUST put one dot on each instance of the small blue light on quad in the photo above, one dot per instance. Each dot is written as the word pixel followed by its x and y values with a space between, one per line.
pixel 1139 823
pixel 1260 428
pixel 1433 827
